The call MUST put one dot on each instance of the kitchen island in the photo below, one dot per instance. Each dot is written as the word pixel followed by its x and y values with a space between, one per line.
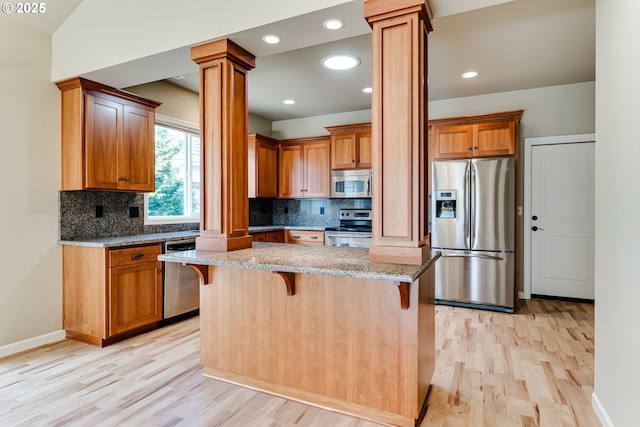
pixel 321 325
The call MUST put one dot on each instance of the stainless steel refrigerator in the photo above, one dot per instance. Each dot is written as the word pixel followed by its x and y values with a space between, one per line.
pixel 473 226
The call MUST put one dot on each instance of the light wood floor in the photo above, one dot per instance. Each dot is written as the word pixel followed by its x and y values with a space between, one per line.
pixel 534 368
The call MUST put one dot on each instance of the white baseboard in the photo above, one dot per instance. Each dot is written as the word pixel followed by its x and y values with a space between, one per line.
pixel 31 343
pixel 600 411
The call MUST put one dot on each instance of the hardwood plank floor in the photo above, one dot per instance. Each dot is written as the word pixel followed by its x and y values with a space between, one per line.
pixel 534 368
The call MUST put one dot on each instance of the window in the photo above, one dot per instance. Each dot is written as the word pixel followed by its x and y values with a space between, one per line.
pixel 177 195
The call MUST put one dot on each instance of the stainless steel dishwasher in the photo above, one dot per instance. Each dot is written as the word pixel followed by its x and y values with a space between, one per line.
pixel 181 285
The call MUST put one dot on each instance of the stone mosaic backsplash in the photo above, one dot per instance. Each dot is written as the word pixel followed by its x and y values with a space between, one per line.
pixel 79 220
pixel 301 212
pixel 78 216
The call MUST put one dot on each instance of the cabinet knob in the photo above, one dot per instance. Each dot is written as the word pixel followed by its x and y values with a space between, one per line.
pixel 475 148
pixel 353 160
pixel 127 179
pixel 121 178
pixel 470 148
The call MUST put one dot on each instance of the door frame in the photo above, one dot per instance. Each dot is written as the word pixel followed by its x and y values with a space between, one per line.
pixel 529 143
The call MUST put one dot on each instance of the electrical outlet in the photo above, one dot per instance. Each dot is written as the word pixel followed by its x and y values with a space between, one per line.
pixel 134 212
pixel 99 211
pixel 286 209
pixel 321 210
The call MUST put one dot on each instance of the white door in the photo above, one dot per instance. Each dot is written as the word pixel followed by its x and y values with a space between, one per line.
pixel 562 220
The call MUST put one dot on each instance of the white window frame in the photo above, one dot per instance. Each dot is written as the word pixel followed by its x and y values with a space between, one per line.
pixel 158 220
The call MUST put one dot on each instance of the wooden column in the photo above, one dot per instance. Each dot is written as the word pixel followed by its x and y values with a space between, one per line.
pixel 399 130
pixel 224 216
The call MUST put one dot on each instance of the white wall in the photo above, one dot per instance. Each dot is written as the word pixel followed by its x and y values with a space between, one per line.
pixel 548 111
pixel 30 260
pixel 617 350
pixel 100 34
pixel 315 126
pixel 177 102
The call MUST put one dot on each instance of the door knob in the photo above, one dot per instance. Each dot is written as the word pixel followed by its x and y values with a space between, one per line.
pixel 534 228
pixel 534 217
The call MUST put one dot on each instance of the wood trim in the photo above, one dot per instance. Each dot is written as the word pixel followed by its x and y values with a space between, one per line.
pixel 478 118
pixel 356 127
pixel 289 281
pixel 203 273
pixel 376 10
pixel 79 82
pixel 305 140
pixel 224 218
pixel 223 48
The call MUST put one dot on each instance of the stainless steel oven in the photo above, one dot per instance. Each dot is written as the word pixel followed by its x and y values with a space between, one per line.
pixel 351 183
pixel 354 229
pixel 181 285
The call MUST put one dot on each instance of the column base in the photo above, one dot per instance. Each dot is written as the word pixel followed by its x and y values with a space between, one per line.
pixel 400 254
pixel 223 244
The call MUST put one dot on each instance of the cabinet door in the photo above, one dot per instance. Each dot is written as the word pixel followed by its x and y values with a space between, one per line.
pixel 290 182
pixel 137 151
pixel 267 170
pixel 343 151
pixel 103 132
pixel 317 172
pixel 135 296
pixel 364 149
pixel 495 139
pixel 451 142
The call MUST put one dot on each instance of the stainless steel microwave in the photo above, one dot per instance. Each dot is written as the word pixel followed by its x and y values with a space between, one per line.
pixel 351 183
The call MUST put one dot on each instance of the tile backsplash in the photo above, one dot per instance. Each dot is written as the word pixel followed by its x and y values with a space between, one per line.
pixel 79 220
pixel 78 215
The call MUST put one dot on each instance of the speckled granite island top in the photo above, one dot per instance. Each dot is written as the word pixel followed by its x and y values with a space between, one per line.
pixel 310 259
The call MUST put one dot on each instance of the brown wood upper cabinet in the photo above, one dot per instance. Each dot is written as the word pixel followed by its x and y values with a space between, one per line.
pixel 263 166
pixel 485 135
pixel 304 168
pixel 108 138
pixel 350 146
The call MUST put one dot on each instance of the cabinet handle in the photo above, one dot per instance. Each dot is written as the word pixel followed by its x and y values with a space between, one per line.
pixel 295 237
pixel 137 256
pixel 313 237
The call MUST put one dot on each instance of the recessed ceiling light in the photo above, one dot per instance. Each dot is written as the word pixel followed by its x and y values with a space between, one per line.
pixel 469 75
pixel 367 90
pixel 341 62
pixel 289 101
pixel 179 77
pixel 333 24
pixel 271 39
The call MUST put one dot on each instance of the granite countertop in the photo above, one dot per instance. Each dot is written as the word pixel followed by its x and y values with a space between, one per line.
pixel 310 259
pixel 142 239
pixel 137 239
pixel 265 228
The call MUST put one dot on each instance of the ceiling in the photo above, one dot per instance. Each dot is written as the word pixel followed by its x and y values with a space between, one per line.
pixel 512 44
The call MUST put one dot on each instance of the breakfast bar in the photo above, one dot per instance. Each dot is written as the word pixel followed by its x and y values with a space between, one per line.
pixel 321 325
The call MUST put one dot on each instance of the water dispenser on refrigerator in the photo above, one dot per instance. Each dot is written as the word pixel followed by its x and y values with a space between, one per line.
pixel 446 204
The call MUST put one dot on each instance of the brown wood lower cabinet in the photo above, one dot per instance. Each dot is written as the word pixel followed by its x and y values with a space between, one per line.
pixel 276 236
pixel 110 294
pixel 304 237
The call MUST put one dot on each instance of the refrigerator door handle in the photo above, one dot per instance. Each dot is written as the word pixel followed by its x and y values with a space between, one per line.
pixel 496 258
pixel 472 204
pixel 467 192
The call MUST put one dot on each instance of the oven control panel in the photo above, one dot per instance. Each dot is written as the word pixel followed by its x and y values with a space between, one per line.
pixel 355 214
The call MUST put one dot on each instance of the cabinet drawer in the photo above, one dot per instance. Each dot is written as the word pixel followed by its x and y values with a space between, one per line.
pixel 134 255
pixel 259 237
pixel 304 237
pixel 275 236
